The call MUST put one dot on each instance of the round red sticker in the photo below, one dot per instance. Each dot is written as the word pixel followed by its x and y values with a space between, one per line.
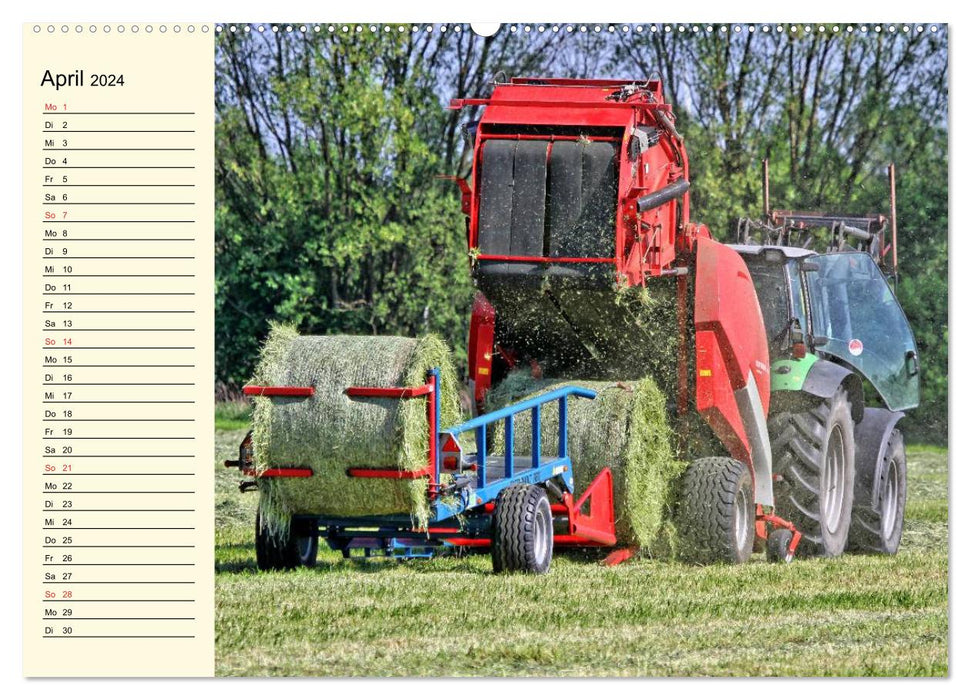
pixel 856 347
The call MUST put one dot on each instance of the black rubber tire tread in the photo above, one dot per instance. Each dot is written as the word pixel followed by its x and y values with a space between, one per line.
pixel 777 545
pixel 866 531
pixel 799 438
pixel 267 555
pixel 705 515
pixel 274 554
pixel 514 526
pixel 300 531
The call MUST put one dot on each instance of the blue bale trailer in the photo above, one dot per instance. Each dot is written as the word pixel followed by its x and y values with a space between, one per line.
pixel 518 504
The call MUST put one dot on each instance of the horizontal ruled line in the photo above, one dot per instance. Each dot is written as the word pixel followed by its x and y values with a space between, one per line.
pixel 139 276
pixel 126 221
pixel 118 383
pixel 119 546
pixel 139 114
pixel 119 167
pixel 126 240
pixel 119 636
pixel 119 420
pixel 119 510
pixel 119 184
pixel 73 564
pixel 118 204
pixel 127 583
pixel 118 456
pixel 72 366
pixel 116 437
pixel 122 311
pixel 118 600
pixel 66 148
pixel 124 330
pixel 74 474
pixel 72 617
pixel 120 347
pixel 119 294
pixel 118 257
pixel 72 491
pixel 119 528
pixel 118 131
pixel 70 401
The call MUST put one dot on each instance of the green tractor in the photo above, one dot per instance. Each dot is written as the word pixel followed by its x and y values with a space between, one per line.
pixel 844 368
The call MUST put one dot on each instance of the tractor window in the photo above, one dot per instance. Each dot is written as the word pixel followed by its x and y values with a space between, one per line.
pixel 854 307
pixel 780 297
pixel 798 302
pixel 772 289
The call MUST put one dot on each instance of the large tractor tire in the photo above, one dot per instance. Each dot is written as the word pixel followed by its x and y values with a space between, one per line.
pixel 522 530
pixel 880 499
pixel 715 514
pixel 297 549
pixel 813 450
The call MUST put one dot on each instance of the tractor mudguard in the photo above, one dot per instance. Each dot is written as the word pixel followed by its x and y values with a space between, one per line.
pixel 872 435
pixel 824 378
pixel 790 374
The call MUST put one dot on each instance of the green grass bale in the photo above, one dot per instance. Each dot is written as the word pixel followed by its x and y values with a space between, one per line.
pixel 331 432
pixel 624 428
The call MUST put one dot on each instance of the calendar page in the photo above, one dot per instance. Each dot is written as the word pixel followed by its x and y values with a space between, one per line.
pixel 118 348
pixel 537 349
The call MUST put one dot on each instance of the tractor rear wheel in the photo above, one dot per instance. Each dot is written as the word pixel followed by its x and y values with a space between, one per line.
pixel 715 516
pixel 813 450
pixel 522 530
pixel 878 511
pixel 276 552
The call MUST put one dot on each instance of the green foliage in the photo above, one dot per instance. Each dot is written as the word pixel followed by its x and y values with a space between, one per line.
pixel 329 215
pixel 233 415
pixel 923 282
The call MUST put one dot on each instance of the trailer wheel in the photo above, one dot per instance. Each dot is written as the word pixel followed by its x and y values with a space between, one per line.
pixel 878 515
pixel 777 546
pixel 305 543
pixel 715 516
pixel 522 530
pixel 814 451
pixel 297 549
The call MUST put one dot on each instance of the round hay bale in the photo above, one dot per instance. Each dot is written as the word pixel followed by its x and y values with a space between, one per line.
pixel 624 428
pixel 331 432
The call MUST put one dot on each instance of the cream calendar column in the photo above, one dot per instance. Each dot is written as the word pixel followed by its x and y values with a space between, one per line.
pixel 118 349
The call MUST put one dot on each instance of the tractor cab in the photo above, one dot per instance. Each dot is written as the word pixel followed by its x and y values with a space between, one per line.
pixel 840 307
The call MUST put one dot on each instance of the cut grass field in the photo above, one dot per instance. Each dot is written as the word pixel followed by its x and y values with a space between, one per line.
pixel 450 616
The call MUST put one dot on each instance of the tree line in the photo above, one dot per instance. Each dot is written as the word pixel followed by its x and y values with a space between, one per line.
pixel 332 211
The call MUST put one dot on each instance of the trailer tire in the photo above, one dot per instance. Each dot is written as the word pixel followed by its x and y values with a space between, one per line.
pixel 522 530
pixel 777 546
pixel 298 548
pixel 813 450
pixel 878 514
pixel 715 514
